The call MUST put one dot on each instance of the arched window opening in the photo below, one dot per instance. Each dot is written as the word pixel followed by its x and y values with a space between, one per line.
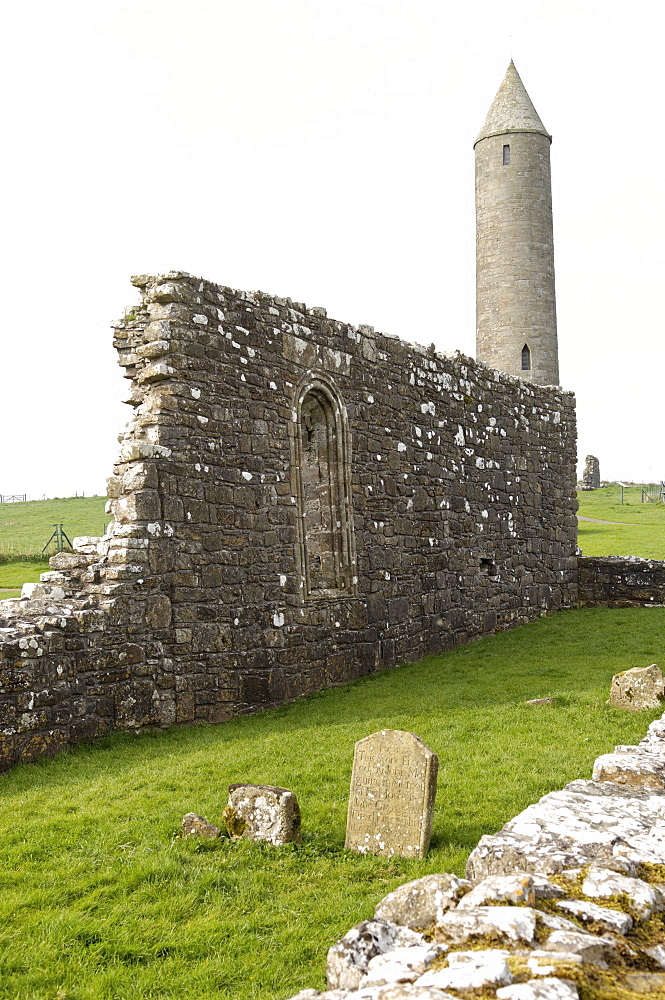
pixel 506 156
pixel 326 553
pixel 526 359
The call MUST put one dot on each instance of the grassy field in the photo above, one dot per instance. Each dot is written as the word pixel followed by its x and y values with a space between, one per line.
pixel 100 899
pixel 17 572
pixel 641 527
pixel 25 529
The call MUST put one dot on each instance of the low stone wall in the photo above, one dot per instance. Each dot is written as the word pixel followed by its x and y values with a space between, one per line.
pixel 621 581
pixel 77 660
pixel 565 902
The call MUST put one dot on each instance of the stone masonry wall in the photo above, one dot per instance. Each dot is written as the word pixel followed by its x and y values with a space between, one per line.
pixel 297 502
pixel 621 581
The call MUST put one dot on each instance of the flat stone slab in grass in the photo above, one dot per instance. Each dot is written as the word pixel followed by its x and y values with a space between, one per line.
pixel 641 687
pixel 262 812
pixel 391 802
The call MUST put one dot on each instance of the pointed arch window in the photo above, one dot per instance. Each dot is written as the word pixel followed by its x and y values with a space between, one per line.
pixel 526 358
pixel 322 466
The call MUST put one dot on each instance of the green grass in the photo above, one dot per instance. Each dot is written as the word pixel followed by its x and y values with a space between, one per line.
pixel 25 528
pixel 14 574
pixel 99 899
pixel 641 531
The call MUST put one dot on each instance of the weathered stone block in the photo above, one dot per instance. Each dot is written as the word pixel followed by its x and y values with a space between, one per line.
pixel 518 888
pixel 602 883
pixel 603 917
pixel 263 812
pixel 639 688
pixel 158 611
pixel 634 770
pixel 471 970
pixel 548 988
pixel 348 959
pixel 512 923
pixel 421 903
pixel 400 965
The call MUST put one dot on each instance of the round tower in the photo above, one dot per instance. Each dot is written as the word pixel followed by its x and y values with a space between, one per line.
pixel 515 303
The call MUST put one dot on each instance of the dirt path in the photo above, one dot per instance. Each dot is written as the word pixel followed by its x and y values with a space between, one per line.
pixel 597 520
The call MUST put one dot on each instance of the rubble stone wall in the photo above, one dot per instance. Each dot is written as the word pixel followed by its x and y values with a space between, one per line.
pixel 297 502
pixel 621 581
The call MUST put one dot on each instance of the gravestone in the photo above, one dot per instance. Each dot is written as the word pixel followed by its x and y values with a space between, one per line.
pixel 262 812
pixel 391 803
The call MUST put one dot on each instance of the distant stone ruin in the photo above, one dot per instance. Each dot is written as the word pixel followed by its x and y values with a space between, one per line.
pixel 591 474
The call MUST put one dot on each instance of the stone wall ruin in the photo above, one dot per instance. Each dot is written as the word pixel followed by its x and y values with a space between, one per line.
pixel 297 502
pixel 591 474
pixel 621 581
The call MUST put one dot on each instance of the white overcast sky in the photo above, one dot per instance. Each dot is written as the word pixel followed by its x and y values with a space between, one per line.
pixel 322 151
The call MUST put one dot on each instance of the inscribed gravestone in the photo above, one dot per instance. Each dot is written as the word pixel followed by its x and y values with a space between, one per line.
pixel 391 803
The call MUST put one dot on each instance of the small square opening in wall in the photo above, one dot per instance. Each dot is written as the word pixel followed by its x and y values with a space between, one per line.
pixel 488 567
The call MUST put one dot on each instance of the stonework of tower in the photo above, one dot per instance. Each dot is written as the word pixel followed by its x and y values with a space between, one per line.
pixel 515 301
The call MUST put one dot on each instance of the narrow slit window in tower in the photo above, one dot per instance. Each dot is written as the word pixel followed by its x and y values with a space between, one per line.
pixel 526 359
pixel 506 155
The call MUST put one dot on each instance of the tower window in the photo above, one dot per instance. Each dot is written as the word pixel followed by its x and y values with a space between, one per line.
pixel 506 155
pixel 526 359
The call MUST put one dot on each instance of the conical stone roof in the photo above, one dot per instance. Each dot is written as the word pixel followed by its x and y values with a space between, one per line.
pixel 512 110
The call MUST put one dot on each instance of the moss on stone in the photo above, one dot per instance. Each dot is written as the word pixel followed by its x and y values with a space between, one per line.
pixel 234 823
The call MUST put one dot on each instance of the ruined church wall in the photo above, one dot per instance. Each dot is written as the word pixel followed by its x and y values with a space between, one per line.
pixel 461 493
pixel 450 495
